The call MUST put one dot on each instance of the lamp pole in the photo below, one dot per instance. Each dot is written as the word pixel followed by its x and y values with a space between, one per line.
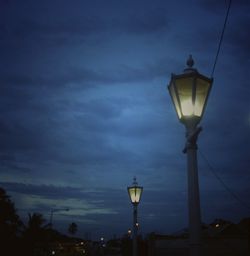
pixel 135 192
pixel 52 213
pixel 193 190
pixel 135 230
pixel 189 92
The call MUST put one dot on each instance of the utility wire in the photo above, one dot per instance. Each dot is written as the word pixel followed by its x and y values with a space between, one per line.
pixel 223 183
pixel 221 37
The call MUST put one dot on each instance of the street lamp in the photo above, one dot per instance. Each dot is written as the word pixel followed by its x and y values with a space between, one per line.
pixel 135 193
pixel 189 92
pixel 52 213
pixel 129 232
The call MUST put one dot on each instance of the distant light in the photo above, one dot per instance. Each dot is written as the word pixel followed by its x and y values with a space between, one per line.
pixel 81 243
pixel 53 252
pixel 102 239
pixel 129 231
pixel 217 225
pixel 137 224
pixel 83 251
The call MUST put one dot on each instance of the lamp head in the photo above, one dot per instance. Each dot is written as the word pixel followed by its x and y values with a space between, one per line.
pixel 189 92
pixel 135 192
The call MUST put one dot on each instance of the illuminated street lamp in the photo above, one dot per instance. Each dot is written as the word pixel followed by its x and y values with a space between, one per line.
pixel 135 193
pixel 189 92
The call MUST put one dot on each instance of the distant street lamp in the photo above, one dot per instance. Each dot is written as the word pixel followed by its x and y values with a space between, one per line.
pixel 189 92
pixel 52 213
pixel 135 193
pixel 129 232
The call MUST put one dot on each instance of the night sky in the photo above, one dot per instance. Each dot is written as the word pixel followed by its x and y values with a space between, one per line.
pixel 84 108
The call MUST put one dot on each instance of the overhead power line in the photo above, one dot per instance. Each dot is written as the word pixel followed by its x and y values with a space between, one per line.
pixel 226 187
pixel 221 37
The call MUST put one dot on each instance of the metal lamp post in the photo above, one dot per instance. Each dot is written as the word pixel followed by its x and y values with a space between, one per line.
pixel 135 193
pixel 189 92
pixel 52 213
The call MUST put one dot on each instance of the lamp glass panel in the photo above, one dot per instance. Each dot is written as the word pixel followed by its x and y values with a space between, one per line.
pixel 185 91
pixel 135 194
pixel 174 98
pixel 202 89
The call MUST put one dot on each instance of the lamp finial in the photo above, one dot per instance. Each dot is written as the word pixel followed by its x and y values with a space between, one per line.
pixel 135 182
pixel 190 61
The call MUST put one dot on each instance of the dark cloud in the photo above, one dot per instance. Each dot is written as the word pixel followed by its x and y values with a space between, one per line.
pixel 236 36
pixel 70 77
pixel 67 28
pixel 11 167
pixel 239 39
pixel 58 29
pixel 45 191
pixel 26 84
pixel 153 21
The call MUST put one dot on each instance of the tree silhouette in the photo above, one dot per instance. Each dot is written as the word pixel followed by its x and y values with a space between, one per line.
pixel 10 224
pixel 36 222
pixel 35 234
pixel 72 228
pixel 36 227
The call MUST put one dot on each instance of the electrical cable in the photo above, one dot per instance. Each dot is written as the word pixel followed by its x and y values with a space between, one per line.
pixel 221 38
pixel 223 183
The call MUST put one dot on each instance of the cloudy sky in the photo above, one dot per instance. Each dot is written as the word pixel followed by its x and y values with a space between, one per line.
pixel 84 108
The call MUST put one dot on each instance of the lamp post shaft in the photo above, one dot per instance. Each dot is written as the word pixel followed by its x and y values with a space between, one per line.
pixel 135 229
pixel 52 213
pixel 51 219
pixel 193 192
